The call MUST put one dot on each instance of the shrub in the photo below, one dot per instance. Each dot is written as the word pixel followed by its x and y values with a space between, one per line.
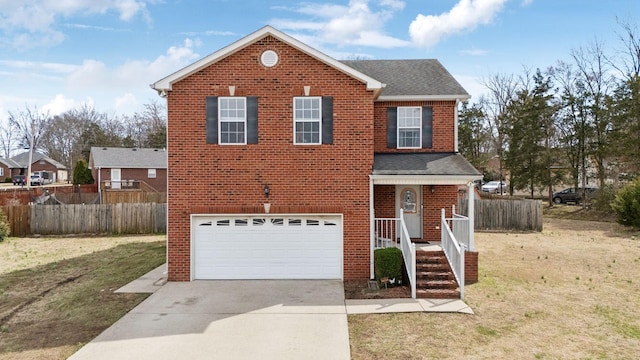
pixel 8 179
pixel 388 263
pixel 4 226
pixel 603 199
pixel 627 204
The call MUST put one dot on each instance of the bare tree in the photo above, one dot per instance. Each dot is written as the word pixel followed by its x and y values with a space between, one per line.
pixel 595 75
pixel 502 90
pixel 29 125
pixel 7 141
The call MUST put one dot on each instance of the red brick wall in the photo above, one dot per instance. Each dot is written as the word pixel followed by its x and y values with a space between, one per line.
pixel 6 172
pixel 442 198
pixel 443 125
pixel 159 182
pixel 470 267
pixel 308 178
pixel 384 200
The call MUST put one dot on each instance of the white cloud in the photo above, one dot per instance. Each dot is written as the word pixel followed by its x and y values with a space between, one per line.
pixel 125 101
pixel 474 52
pixel 426 31
pixel 31 23
pixel 60 104
pixel 355 24
pixel 133 74
pixel 58 87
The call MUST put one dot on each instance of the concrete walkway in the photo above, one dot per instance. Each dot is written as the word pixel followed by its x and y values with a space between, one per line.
pixel 241 319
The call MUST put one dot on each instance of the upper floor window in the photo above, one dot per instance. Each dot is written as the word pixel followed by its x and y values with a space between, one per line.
pixel 409 127
pixel 151 173
pixel 233 120
pixel 307 119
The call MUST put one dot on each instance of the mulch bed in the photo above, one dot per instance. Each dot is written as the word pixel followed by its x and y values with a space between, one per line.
pixel 359 289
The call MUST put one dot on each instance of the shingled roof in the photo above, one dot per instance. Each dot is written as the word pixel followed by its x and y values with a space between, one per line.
pixel 420 79
pixel 423 164
pixel 23 160
pixel 129 158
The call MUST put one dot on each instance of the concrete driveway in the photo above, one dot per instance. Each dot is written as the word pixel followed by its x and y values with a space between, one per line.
pixel 245 319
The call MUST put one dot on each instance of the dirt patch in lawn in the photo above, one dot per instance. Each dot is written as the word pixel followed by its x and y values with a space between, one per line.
pixel 568 292
pixel 356 289
pixel 57 294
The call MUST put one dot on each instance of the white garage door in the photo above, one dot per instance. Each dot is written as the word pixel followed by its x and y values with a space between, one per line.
pixel 267 247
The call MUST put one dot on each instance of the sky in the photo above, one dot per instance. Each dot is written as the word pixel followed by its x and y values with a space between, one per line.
pixel 56 55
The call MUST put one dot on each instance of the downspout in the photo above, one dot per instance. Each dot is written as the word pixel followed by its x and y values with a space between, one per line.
pixel 371 228
pixel 99 187
pixel 471 214
pixel 455 126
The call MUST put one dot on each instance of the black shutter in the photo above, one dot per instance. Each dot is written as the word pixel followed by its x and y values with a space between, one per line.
pixel 212 119
pixel 392 127
pixel 327 120
pixel 427 127
pixel 252 120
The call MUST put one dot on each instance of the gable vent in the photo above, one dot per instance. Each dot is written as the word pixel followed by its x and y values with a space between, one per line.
pixel 269 58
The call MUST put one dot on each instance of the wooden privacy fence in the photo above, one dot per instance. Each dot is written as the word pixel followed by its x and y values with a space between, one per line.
pixel 67 219
pixel 117 197
pixel 500 214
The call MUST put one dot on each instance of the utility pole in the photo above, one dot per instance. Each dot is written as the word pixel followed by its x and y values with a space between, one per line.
pixel 28 175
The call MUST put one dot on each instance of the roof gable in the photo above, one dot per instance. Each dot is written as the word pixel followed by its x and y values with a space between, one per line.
pixel 10 163
pixel 128 158
pixel 165 84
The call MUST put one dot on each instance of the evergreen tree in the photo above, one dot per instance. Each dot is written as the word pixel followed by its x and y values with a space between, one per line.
pixel 82 174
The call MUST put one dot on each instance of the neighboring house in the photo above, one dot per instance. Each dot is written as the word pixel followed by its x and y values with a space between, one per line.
pixel 41 162
pixel 281 158
pixel 129 168
pixel 8 168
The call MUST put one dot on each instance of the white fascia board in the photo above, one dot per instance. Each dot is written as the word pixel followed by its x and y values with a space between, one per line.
pixel 424 179
pixel 167 82
pixel 424 98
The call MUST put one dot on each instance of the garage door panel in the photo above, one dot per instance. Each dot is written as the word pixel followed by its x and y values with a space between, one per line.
pixel 259 247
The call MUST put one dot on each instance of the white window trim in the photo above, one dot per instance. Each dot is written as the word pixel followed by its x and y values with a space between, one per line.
pixel 2 172
pixel 408 127
pixel 220 121
pixel 319 121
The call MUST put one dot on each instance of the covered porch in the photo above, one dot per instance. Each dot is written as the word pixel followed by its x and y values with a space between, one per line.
pixel 412 206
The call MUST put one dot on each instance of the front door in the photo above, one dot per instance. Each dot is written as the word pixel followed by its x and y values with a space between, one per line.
pixel 115 179
pixel 409 199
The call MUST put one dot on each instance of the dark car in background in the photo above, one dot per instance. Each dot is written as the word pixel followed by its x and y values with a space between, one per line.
pixel 574 195
pixel 19 180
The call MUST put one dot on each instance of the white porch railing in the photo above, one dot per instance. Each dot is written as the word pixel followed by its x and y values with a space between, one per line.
pixel 390 230
pixel 459 225
pixel 386 230
pixel 454 252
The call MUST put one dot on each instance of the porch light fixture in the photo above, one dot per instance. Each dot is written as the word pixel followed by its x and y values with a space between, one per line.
pixel 267 191
pixel 432 188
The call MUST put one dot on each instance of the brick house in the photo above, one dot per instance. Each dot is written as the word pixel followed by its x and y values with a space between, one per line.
pixel 129 168
pixel 8 168
pixel 282 159
pixel 40 162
